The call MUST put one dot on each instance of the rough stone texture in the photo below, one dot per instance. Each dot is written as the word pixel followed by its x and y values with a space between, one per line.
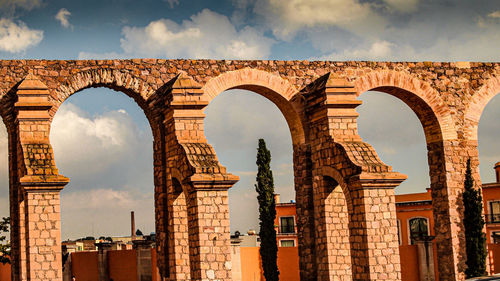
pixel 318 101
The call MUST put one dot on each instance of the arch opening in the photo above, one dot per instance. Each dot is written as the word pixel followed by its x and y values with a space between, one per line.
pixel 98 141
pixel 274 88
pixel 235 120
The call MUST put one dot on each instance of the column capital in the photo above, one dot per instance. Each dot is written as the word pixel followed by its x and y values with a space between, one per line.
pixel 210 182
pixel 383 180
pixel 43 183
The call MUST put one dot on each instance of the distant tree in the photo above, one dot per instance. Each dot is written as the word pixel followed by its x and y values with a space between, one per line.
pixel 139 232
pixel 102 238
pixel 109 239
pixel 4 244
pixel 267 213
pixel 475 239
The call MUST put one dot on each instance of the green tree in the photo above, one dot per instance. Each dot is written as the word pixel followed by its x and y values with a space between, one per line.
pixel 267 213
pixel 475 239
pixel 138 232
pixel 4 244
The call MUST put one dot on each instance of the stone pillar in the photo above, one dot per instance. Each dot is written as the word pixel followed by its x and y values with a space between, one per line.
pixel 39 237
pixel 209 235
pixel 102 260
pixel 143 260
pixel 43 235
pixel 192 161
pixel 373 227
pixel 305 214
pixel 425 258
pixel 178 238
pixel 333 250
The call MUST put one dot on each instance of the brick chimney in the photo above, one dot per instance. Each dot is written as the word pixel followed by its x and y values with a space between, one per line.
pixel 132 225
pixel 497 171
pixel 277 196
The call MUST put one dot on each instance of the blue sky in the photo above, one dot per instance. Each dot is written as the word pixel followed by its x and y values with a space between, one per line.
pixel 102 140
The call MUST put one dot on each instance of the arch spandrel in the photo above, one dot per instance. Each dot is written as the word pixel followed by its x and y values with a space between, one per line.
pixel 478 103
pixel 278 90
pixel 419 95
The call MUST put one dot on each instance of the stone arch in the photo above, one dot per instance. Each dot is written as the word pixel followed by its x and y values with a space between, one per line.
pixel 117 80
pixel 476 106
pixel 273 87
pixel 333 173
pixel 420 96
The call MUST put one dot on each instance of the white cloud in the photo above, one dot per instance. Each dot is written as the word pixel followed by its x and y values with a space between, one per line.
pixel 286 18
pixel 172 3
pixel 495 14
pixel 62 17
pixel 17 37
pixel 99 198
pixel 377 51
pixel 108 159
pixel 206 35
pixel 96 143
pixel 405 6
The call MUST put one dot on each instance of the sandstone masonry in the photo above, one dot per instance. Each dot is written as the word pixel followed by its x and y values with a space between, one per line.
pixel 345 193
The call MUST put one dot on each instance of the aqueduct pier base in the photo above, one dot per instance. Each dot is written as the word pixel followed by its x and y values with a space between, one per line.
pixel 344 192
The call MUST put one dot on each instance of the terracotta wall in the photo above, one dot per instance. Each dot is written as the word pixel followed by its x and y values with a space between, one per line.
pixel 84 266
pixel 122 265
pixel 288 263
pixel 494 251
pixel 409 264
pixel 4 272
pixel 251 265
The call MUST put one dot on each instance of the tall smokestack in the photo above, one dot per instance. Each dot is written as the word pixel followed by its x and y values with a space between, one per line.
pixel 497 171
pixel 132 225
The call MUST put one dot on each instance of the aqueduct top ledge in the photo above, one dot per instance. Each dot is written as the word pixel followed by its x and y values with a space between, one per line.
pixel 452 90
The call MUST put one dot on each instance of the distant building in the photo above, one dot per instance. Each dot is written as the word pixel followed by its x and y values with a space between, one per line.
pixel 285 223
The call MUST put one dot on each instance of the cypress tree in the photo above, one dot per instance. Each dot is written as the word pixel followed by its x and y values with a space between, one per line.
pixel 267 213
pixel 475 239
pixel 4 247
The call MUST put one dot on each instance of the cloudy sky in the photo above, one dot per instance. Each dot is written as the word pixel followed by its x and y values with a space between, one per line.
pixel 102 140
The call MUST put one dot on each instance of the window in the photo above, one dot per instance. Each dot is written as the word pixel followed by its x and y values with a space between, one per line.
pixel 287 225
pixel 287 243
pixel 399 232
pixel 494 211
pixel 419 227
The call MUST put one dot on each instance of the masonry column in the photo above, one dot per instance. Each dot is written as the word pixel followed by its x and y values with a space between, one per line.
pixel 40 183
pixel 373 226
pixel 209 233
pixel 305 212
pixel 205 183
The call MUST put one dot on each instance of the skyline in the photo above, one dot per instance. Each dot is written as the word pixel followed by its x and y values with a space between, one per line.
pixel 117 162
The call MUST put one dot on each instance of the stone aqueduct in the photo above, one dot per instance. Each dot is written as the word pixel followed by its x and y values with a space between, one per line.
pixel 345 194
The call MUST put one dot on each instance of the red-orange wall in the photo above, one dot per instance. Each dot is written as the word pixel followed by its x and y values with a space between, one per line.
pixel 84 266
pixel 251 265
pixel 494 251
pixel 288 263
pixel 409 264
pixel 122 265
pixel 4 272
